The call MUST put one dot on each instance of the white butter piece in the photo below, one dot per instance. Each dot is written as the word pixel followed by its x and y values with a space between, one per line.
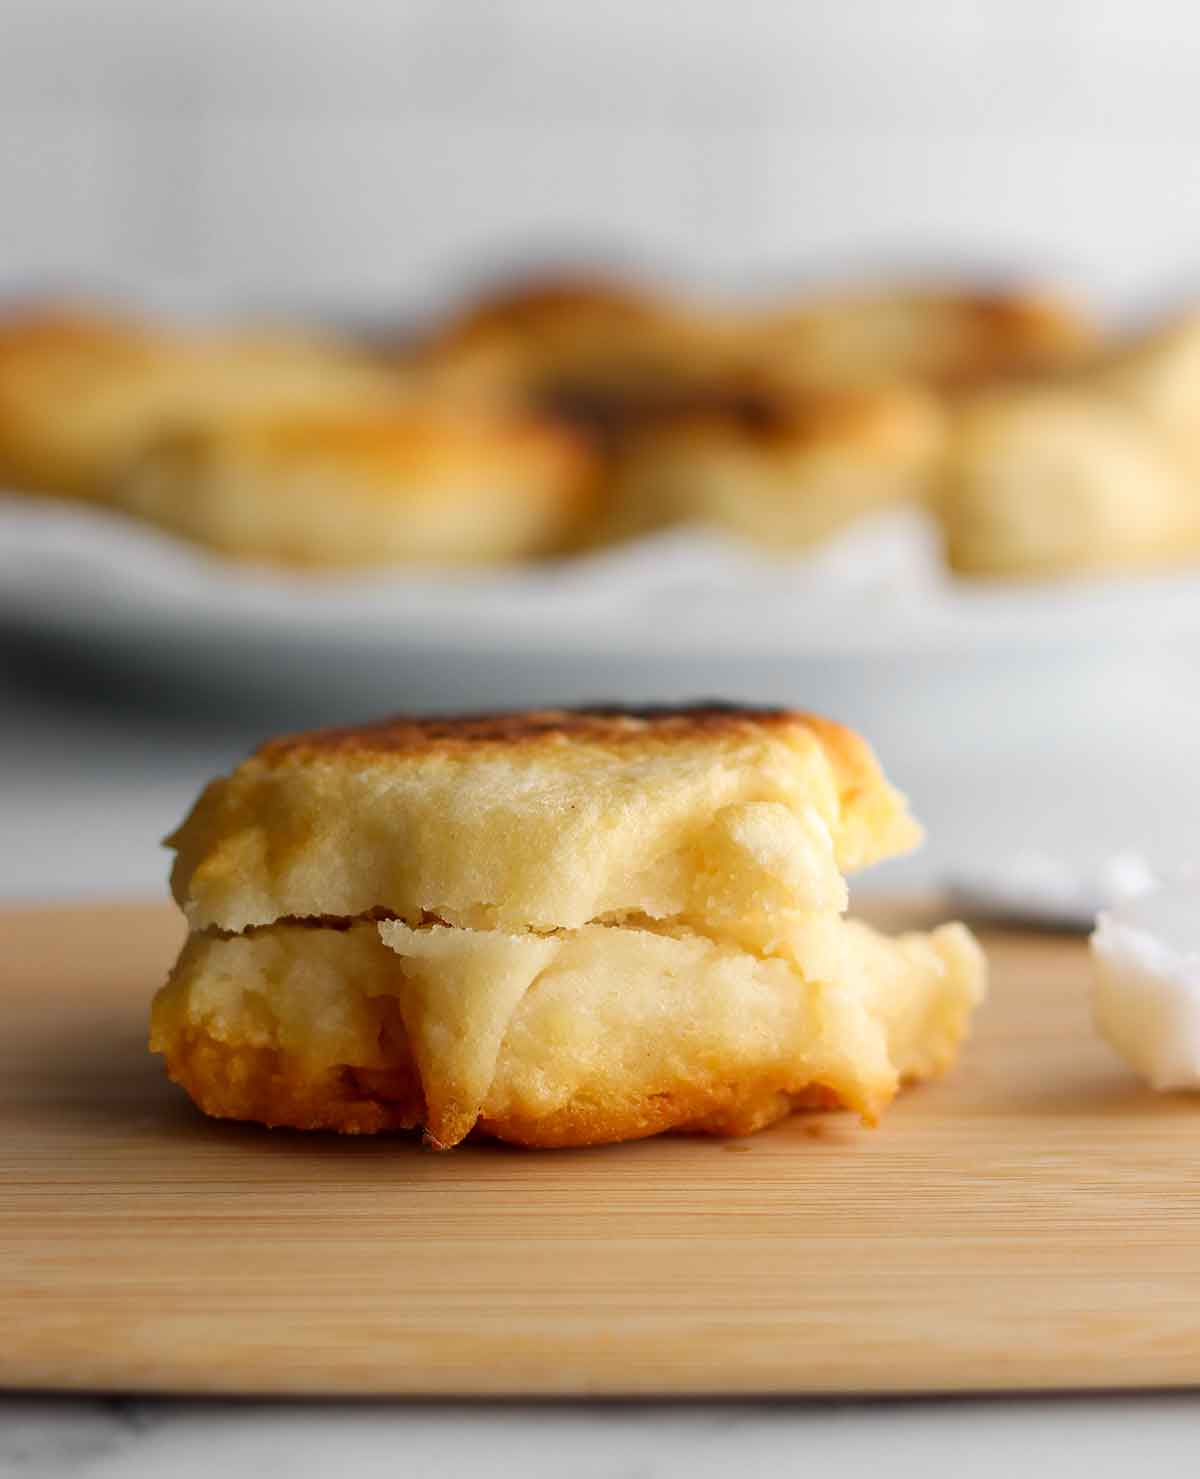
pixel 1146 992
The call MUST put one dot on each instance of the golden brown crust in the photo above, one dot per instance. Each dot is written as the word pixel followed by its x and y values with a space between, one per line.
pixel 799 448
pixel 264 1086
pixel 82 394
pixel 722 1110
pixel 1016 333
pixel 602 725
pixel 406 483
pixel 247 1082
pixel 609 1033
pixel 50 356
pixel 61 327
pixel 553 301
pixel 599 354
pixel 946 337
pixel 864 794
pixel 407 438
pixel 782 470
pixel 887 422
pixel 867 802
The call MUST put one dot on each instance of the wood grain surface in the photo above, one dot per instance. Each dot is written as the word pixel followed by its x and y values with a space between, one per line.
pixel 1031 1222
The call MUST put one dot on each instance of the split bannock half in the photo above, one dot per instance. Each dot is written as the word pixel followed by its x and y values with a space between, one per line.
pixel 556 928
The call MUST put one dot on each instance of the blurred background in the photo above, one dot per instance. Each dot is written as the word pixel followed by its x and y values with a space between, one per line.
pixel 373 153
pixel 374 159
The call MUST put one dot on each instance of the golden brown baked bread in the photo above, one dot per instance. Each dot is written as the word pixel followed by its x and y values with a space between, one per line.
pixel 940 336
pixel 62 378
pixel 783 472
pixel 540 821
pixel 1157 374
pixel 413 484
pixel 600 353
pixel 556 928
pixel 577 1038
pixel 82 392
pixel 1051 480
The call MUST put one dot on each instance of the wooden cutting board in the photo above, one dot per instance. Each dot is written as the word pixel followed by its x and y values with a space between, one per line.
pixel 1031 1222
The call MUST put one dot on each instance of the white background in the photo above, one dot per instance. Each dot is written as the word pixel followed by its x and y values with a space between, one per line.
pixel 372 150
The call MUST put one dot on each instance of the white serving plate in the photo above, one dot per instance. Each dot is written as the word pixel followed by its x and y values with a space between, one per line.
pixel 1057 717
pixel 688 595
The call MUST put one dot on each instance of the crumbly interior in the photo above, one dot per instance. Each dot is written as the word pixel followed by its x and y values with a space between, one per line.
pixel 607 1032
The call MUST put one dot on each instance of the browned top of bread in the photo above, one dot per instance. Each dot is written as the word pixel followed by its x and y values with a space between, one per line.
pixel 546 819
pixel 591 350
pixel 62 340
pixel 603 725
pixel 553 300
pixel 82 393
pixel 47 326
pixel 949 337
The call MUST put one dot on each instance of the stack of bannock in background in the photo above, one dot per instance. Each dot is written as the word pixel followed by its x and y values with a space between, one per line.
pixel 567 413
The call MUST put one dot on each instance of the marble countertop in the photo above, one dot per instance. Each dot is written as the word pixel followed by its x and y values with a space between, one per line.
pixel 87 789
pixel 1100 1437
